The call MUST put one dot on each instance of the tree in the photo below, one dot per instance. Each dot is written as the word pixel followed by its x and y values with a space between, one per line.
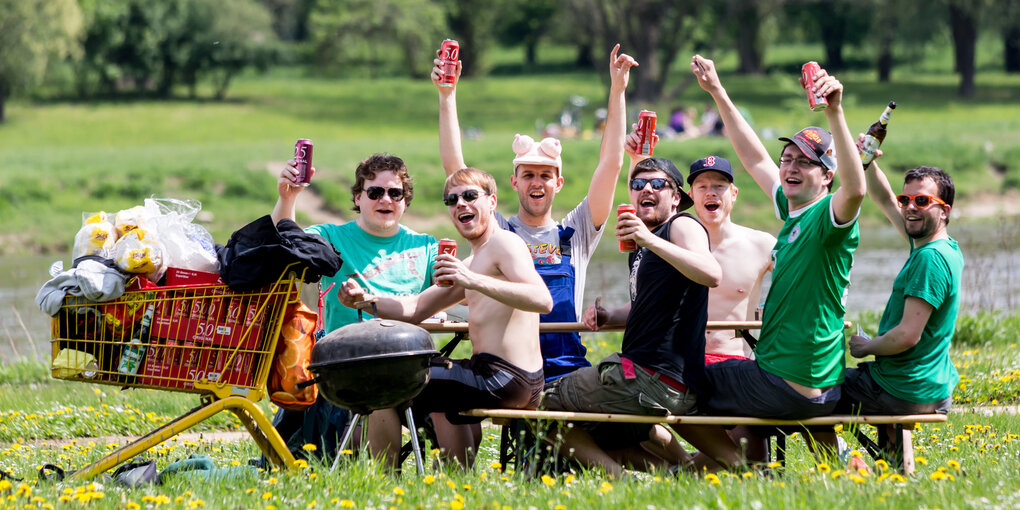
pixel 373 33
pixel 1009 15
pixel 964 16
pixel 33 35
pixel 471 22
pixel 902 26
pixel 525 22
pixel 837 24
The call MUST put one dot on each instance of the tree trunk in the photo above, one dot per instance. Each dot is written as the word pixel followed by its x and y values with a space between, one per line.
pixel 3 101
pixel 885 60
pixel 1011 48
pixel 530 53
pixel 584 59
pixel 963 24
pixel 748 39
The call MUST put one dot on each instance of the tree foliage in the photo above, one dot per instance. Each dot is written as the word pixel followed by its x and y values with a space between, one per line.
pixel 524 23
pixel 33 35
pixel 372 34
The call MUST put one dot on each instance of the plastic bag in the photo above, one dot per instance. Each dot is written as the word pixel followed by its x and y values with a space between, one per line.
pixel 185 244
pixel 96 236
pixel 139 251
pixel 130 219
pixel 290 363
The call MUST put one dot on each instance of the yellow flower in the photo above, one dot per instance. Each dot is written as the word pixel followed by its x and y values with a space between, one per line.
pixel 747 474
pixel 938 475
pixel 897 478
pixel 346 503
pixel 131 505
pixel 398 491
pixel 856 478
pixel 270 507
pixel 774 465
pixel 247 491
pixel 451 485
pixel 548 480
pixel 881 465
pixel 823 468
pixel 309 447
pixel 496 465
pixel 921 460
pixel 456 505
pixel 267 495
pixel 605 487
pixel 560 507
pixel 429 479
pixel 5 485
pixel 712 478
pixel 347 452
pixel 301 464
pixel 312 504
pixel 953 464
pixel 271 481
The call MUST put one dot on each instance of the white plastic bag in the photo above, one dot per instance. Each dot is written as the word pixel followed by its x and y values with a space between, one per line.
pixel 139 251
pixel 96 236
pixel 130 219
pixel 185 244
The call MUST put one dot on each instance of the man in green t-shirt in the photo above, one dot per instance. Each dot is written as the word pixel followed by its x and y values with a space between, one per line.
pixel 378 252
pixel 799 356
pixel 912 372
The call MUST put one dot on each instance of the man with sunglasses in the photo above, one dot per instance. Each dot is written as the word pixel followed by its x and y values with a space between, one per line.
pixel 800 352
pixel 912 372
pixel 502 289
pixel 386 257
pixel 662 359
pixel 560 251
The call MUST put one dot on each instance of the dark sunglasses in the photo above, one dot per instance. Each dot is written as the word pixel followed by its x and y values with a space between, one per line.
pixel 920 201
pixel 376 192
pixel 469 195
pixel 638 184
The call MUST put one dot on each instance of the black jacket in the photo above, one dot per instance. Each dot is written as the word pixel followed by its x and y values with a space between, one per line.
pixel 258 253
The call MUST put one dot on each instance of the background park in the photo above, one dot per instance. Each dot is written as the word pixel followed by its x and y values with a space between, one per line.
pixel 106 103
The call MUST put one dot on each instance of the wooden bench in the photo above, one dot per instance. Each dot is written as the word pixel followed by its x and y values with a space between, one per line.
pixel 900 454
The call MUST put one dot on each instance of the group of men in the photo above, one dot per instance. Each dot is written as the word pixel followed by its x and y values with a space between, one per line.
pixel 687 269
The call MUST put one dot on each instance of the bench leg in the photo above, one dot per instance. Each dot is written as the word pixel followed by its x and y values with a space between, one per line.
pixel 906 446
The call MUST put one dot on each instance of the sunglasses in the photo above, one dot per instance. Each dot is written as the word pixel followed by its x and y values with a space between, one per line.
pixel 920 201
pixel 376 192
pixel 469 195
pixel 657 183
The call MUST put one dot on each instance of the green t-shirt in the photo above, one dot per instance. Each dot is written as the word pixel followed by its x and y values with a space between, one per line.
pixel 924 373
pixel 802 330
pixel 398 265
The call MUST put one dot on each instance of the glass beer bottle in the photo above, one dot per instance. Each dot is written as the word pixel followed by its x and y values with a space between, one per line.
pixel 875 135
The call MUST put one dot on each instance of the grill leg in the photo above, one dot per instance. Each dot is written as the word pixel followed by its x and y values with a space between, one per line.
pixel 346 440
pixel 414 441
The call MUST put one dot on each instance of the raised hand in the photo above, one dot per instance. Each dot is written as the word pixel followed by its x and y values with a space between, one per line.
pixel 287 184
pixel 827 86
pixel 438 74
pixel 704 71
pixel 619 67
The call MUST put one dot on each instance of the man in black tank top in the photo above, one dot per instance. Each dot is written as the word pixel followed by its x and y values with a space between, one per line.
pixel 661 366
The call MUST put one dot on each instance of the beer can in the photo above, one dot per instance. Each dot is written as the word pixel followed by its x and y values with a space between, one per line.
pixel 303 158
pixel 815 101
pixel 646 130
pixel 447 246
pixel 449 53
pixel 626 244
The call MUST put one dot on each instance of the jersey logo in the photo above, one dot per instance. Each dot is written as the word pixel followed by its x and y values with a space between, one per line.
pixel 710 161
pixel 408 258
pixel 794 234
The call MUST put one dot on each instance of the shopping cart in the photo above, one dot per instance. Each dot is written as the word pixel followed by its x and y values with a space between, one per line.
pixel 202 339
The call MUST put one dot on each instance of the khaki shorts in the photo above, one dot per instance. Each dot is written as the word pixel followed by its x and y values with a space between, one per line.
pixel 605 388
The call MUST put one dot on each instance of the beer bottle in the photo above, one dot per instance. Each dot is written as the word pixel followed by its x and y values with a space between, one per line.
pixel 875 135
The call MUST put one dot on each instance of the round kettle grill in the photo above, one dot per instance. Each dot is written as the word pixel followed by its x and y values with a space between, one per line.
pixel 370 365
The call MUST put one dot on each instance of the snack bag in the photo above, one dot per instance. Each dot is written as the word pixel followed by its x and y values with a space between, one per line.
pixel 290 363
pixel 96 237
pixel 139 251
pixel 130 219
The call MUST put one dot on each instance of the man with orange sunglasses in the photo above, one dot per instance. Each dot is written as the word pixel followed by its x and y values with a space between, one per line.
pixel 912 372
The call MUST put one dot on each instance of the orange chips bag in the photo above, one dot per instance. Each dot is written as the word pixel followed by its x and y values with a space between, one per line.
pixel 290 363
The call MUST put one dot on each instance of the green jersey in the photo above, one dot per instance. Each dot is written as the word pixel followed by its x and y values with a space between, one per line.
pixel 398 265
pixel 924 373
pixel 802 330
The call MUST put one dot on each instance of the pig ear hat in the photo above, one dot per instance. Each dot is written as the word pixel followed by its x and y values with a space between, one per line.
pixel 547 152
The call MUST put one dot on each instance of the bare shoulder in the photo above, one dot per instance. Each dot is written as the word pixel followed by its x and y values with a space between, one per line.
pixel 508 243
pixel 759 238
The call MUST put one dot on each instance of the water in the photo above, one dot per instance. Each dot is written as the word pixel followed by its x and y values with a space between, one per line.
pixel 991 281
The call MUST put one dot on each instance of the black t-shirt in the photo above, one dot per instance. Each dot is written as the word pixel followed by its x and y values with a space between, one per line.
pixel 666 325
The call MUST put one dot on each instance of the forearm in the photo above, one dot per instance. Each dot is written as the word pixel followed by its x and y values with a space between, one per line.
pixel 617 317
pixel 893 342
pixel 603 183
pixel 849 166
pixel 530 297
pixel 700 268
pixel 284 208
pixel 750 150
pixel 883 196
pixel 449 134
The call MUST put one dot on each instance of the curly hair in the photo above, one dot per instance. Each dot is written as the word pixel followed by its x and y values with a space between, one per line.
pixel 376 163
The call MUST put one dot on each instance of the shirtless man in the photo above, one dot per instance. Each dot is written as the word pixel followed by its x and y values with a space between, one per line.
pixel 500 284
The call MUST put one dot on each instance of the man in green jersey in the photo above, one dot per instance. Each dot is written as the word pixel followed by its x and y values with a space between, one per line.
pixel 912 372
pixel 799 356
pixel 382 255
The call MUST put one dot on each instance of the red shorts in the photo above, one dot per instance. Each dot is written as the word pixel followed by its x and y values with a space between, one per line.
pixel 716 358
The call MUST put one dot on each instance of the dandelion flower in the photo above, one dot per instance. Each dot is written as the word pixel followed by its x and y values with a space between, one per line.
pixel 712 478
pixel 346 503
pixel 953 464
pixel 429 479
pixel 823 468
pixel 456 505
pixel 309 447
pixel 548 480
pixel 398 491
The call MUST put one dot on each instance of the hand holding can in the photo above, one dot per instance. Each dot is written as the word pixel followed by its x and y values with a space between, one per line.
pixel 646 131
pixel 303 160
pixel 816 101
pixel 449 53
pixel 626 244
pixel 447 246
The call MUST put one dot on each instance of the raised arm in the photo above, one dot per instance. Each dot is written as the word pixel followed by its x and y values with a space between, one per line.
pixel 846 201
pixel 449 126
pixel 288 189
pixel 603 181
pixel 749 149
pixel 882 194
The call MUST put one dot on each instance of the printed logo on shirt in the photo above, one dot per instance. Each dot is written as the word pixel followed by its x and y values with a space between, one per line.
pixel 385 262
pixel 634 271
pixel 794 234
pixel 545 254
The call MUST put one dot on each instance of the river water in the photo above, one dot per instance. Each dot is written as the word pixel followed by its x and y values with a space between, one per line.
pixel 991 281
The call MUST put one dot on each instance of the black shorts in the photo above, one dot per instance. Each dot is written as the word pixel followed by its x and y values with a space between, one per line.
pixel 482 381
pixel 863 395
pixel 742 388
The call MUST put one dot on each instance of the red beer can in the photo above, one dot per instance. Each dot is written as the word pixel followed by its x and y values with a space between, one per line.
pixel 814 100
pixel 626 244
pixel 449 53
pixel 646 130
pixel 447 246
pixel 303 158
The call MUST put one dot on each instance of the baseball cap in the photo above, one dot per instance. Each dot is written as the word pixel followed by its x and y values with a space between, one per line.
pixel 713 163
pixel 529 152
pixel 667 167
pixel 816 144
